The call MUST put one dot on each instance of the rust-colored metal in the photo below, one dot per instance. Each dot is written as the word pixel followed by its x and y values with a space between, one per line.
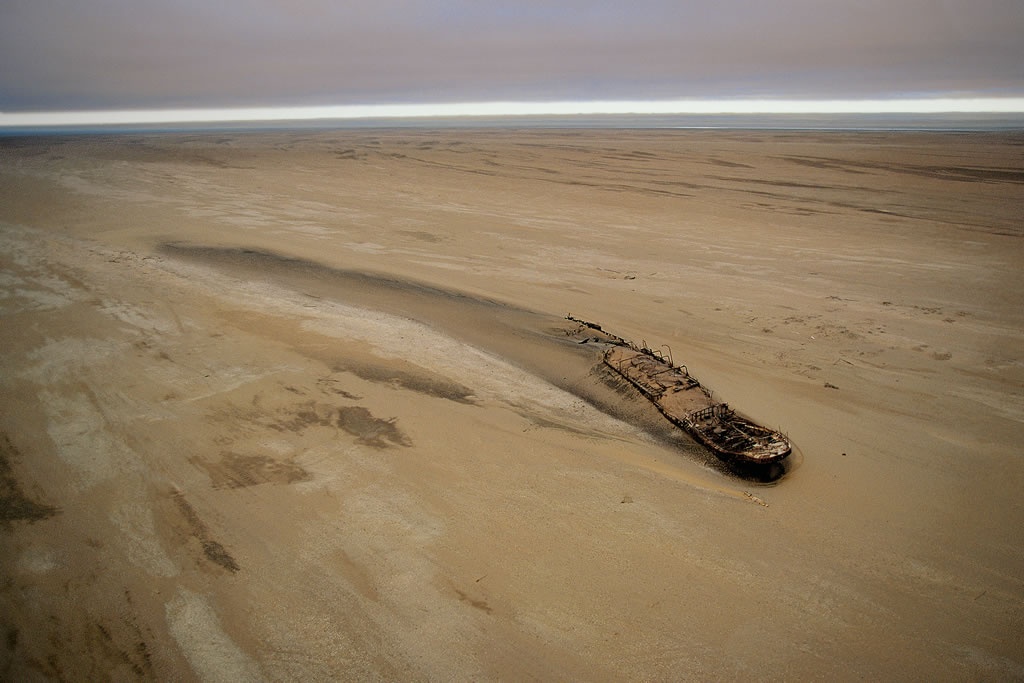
pixel 686 403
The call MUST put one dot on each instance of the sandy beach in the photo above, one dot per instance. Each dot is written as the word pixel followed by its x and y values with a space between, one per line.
pixel 301 405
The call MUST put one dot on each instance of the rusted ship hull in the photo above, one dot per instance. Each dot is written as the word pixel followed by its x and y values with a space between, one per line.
pixel 686 403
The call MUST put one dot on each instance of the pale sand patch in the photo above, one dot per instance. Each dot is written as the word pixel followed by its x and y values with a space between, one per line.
pixel 79 434
pixel 211 652
pixel 135 520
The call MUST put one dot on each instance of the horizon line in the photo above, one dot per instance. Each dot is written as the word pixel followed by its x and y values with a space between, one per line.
pixel 933 105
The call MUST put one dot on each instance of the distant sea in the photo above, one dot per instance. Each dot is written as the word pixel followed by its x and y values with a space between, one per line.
pixel 793 122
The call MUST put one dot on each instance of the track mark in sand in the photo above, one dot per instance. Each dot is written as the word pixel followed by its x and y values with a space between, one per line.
pixel 135 657
pixel 239 471
pixel 14 504
pixel 423 236
pixel 213 550
pixel 478 604
pixel 370 430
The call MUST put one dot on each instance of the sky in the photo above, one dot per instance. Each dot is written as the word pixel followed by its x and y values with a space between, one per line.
pixel 60 55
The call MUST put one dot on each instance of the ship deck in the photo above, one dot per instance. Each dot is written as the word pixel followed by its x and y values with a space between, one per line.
pixel 689 405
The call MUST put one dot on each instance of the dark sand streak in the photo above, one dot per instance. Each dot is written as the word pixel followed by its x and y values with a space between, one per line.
pixel 534 341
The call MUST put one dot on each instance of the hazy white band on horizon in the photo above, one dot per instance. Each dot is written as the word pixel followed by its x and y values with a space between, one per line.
pixel 951 105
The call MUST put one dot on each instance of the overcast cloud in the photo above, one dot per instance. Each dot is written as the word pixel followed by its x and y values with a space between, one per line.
pixel 87 54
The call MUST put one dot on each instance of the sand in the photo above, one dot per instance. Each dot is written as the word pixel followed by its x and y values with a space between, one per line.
pixel 301 406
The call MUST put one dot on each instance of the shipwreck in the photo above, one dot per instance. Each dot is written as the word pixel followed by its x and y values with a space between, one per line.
pixel 686 403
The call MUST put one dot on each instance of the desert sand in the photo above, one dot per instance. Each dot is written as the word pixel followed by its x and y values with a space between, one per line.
pixel 301 405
